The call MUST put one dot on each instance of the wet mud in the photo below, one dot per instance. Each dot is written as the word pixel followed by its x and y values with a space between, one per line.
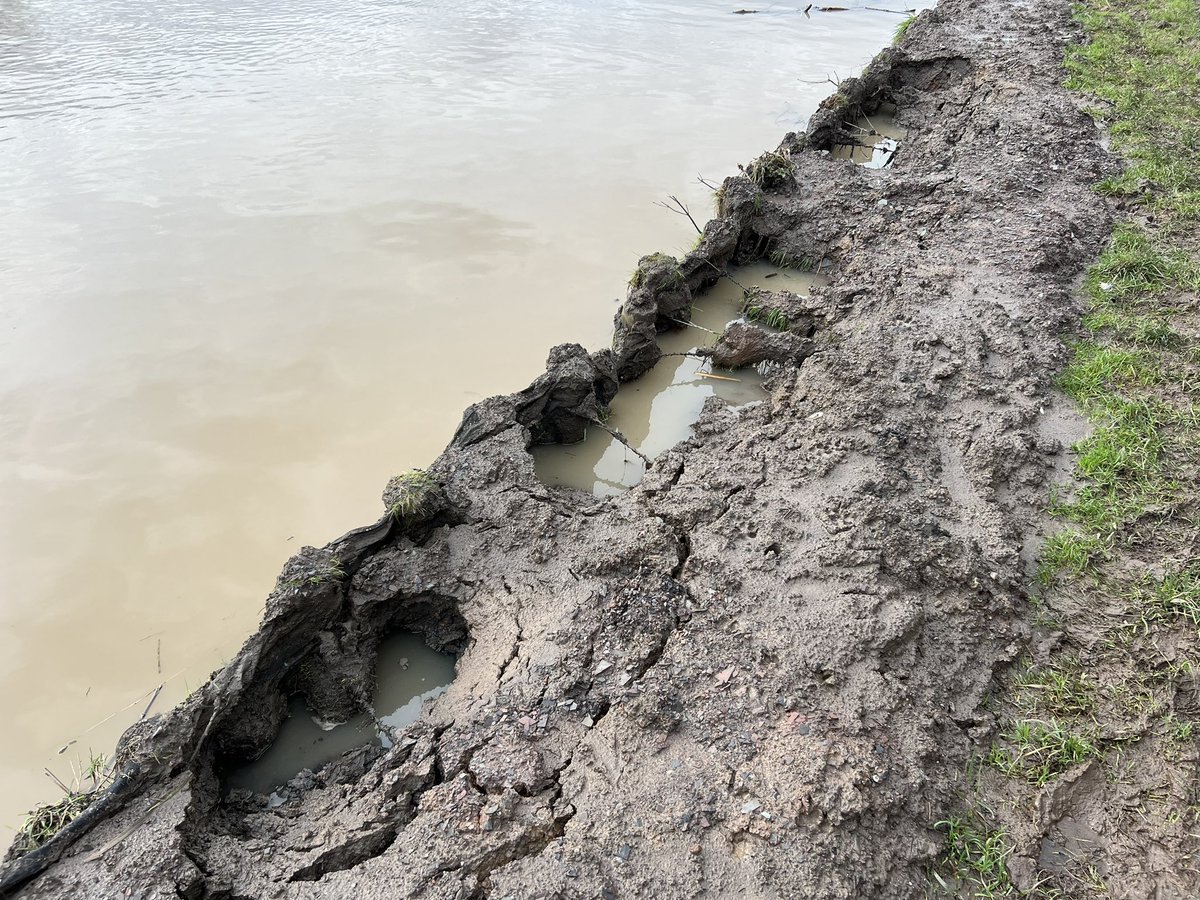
pixel 658 409
pixel 760 670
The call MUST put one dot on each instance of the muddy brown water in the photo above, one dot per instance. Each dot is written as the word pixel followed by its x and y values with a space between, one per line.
pixel 407 673
pixel 657 411
pixel 256 258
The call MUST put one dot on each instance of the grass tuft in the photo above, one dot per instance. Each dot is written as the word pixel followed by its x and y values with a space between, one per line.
pixel 771 170
pixel 902 29
pixel 410 495
pixel 977 855
pixel 1039 750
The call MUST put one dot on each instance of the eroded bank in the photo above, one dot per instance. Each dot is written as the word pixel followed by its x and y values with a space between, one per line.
pixel 763 667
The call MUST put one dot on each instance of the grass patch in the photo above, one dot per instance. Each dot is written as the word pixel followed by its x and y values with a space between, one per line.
pixel 1070 551
pixel 1172 599
pixel 1063 689
pixel 771 170
pixel 977 855
pixel 782 259
pixel 1040 750
pixel 49 819
pixel 769 316
pixel 412 494
pixel 1142 63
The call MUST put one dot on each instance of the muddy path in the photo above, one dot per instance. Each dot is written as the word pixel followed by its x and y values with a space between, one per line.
pixel 759 672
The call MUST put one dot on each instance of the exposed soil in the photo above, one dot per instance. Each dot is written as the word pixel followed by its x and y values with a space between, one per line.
pixel 762 671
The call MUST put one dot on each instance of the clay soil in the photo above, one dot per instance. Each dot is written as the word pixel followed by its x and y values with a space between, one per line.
pixel 762 672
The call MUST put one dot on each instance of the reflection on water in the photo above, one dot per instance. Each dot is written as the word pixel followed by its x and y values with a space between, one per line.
pixel 257 257
pixel 657 411
pixel 407 673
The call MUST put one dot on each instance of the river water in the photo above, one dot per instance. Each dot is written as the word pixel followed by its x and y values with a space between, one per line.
pixel 256 257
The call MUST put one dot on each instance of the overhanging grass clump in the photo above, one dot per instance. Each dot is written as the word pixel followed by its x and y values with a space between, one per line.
pixel 411 495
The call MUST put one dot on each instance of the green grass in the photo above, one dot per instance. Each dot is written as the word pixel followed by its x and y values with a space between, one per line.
pixel 977 855
pixel 1062 689
pixel 782 259
pixel 1171 599
pixel 769 316
pixel 1070 551
pixel 902 29
pixel 1039 750
pixel 333 572
pixel 49 819
pixel 1142 63
pixel 412 494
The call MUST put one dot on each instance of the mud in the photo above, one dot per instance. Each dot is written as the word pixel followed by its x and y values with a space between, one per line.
pixel 762 670
pixel 658 409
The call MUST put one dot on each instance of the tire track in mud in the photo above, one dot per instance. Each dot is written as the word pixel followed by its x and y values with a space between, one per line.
pixel 760 671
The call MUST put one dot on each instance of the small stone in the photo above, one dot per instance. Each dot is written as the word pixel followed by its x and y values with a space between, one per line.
pixel 694 849
pixel 624 853
pixel 602 668
pixel 751 806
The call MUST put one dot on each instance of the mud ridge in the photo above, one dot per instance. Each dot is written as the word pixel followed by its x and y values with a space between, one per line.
pixel 760 671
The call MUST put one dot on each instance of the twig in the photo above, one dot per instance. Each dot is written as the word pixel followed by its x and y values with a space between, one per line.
pixel 708 184
pixel 620 437
pixel 678 207
pixel 691 325
pixel 724 273
pixel 58 781
pixel 157 691
pixel 717 377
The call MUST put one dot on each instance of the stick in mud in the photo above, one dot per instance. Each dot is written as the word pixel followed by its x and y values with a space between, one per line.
pixel 157 691
pixel 620 437
pixel 689 325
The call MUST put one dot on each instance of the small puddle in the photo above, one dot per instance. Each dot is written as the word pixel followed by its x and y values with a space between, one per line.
pixel 878 136
pixel 657 411
pixel 408 672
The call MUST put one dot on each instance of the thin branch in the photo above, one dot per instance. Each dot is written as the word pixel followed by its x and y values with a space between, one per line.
pixel 678 207
pixel 690 325
pixel 708 184
pixel 620 437
pixel 724 273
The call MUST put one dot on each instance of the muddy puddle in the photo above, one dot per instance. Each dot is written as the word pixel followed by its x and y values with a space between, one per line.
pixel 408 672
pixel 657 411
pixel 878 138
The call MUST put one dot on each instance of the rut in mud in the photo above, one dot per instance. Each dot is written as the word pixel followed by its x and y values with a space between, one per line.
pixel 761 670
